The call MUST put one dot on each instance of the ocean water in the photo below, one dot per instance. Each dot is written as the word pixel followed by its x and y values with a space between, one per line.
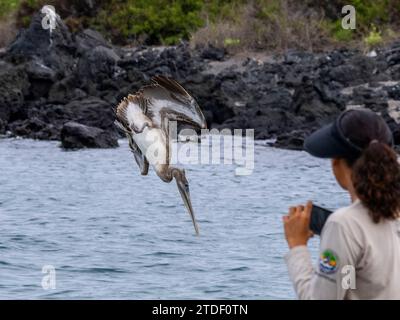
pixel 110 233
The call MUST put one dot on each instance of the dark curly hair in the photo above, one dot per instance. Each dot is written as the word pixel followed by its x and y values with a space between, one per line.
pixel 376 170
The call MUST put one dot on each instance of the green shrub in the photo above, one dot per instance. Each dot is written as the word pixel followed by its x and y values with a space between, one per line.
pixel 338 33
pixel 371 12
pixel 8 6
pixel 223 9
pixel 155 21
pixel 368 12
pixel 268 10
pixel 374 37
pixel 231 42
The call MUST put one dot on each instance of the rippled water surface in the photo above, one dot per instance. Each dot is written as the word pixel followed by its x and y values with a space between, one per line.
pixel 113 234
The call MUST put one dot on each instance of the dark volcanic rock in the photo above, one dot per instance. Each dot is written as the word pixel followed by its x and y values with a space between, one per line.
pixel 92 112
pixel 14 86
pixel 54 49
pixel 293 140
pixel 35 128
pixel 75 135
pixel 65 90
pixel 212 53
pixel 41 78
pixel 98 64
pixel 2 126
pixel 89 39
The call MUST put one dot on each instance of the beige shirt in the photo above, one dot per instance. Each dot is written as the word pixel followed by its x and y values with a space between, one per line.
pixel 359 259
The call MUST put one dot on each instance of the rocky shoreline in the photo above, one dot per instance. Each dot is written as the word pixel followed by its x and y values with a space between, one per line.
pixel 65 86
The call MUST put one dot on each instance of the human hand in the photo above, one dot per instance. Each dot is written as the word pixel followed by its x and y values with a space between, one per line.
pixel 297 225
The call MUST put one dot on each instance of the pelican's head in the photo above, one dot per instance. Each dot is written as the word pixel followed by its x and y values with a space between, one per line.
pixel 183 187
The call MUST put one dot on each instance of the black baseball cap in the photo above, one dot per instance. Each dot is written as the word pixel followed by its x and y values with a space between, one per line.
pixel 348 135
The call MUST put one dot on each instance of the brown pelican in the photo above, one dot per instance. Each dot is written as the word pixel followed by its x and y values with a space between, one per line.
pixel 145 117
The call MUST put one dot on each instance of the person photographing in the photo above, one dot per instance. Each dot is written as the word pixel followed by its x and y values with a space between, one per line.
pixel 362 238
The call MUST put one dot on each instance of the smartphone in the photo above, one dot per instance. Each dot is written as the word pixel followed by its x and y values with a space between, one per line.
pixel 319 216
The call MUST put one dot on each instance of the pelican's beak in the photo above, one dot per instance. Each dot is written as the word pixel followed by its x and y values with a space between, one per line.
pixel 183 187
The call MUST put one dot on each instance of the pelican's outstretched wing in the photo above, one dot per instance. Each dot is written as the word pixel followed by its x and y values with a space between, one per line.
pixel 168 99
pixel 131 120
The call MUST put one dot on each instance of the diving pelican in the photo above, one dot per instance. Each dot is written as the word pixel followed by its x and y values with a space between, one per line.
pixel 145 117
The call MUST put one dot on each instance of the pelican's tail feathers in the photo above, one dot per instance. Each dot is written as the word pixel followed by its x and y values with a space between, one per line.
pixel 122 114
pixel 127 111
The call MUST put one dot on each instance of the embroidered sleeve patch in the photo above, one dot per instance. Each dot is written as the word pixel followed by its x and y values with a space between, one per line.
pixel 328 262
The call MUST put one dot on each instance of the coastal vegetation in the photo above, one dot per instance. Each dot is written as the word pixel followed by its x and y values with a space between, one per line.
pixel 233 24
